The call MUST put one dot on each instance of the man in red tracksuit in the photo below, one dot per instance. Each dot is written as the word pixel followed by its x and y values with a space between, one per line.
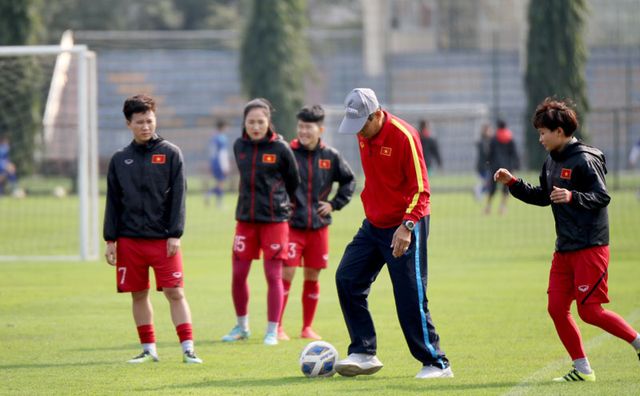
pixel 395 231
pixel 572 182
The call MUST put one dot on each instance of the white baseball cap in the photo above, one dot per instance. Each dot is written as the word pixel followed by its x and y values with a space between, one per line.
pixel 359 104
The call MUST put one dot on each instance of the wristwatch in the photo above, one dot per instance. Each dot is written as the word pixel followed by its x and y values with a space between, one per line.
pixel 409 224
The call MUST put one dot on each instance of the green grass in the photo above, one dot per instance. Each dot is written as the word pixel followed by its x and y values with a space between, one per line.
pixel 64 329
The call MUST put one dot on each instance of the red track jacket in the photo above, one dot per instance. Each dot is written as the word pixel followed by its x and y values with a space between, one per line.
pixel 396 183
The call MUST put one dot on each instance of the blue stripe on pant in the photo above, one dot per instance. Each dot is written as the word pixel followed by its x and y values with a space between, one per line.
pixel 360 265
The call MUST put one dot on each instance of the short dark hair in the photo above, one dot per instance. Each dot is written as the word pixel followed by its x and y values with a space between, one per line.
pixel 221 123
pixel 501 124
pixel 313 113
pixel 138 104
pixel 554 113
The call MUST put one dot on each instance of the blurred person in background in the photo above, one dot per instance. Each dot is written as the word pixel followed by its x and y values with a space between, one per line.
pixel 218 161
pixel 8 174
pixel 634 155
pixel 430 147
pixel 268 181
pixel 482 161
pixel 502 154
pixel 143 223
pixel 320 167
pixel 572 182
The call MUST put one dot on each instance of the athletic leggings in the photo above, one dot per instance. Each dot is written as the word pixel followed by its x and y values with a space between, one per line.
pixel 240 287
pixel 592 313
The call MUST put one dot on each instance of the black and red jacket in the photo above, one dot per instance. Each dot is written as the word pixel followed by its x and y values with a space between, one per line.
pixel 319 169
pixel 268 178
pixel 581 169
pixel 145 192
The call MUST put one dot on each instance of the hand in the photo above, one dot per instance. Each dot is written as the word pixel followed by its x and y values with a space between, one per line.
pixel 560 195
pixel 111 253
pixel 173 245
pixel 324 208
pixel 400 241
pixel 502 176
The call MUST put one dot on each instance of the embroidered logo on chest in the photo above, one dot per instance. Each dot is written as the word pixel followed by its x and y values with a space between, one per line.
pixel 324 164
pixel 269 158
pixel 565 174
pixel 158 159
pixel 385 151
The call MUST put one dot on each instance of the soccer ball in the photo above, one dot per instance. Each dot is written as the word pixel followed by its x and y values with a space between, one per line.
pixel 318 359
pixel 59 192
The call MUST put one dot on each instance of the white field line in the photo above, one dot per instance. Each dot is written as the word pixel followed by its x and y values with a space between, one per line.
pixel 553 368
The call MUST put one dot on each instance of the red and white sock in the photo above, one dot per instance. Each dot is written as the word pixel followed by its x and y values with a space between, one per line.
pixel 185 334
pixel 147 337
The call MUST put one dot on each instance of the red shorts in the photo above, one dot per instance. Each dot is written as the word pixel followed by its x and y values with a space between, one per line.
pixel 135 256
pixel 582 274
pixel 271 238
pixel 308 248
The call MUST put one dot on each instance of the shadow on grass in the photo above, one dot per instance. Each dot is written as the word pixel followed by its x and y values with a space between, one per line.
pixel 133 347
pixel 361 384
pixel 37 366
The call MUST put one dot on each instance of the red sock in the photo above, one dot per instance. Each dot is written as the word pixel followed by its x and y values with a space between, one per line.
pixel 273 273
pixel 310 297
pixel 239 286
pixel 146 334
pixel 286 286
pixel 608 321
pixel 558 307
pixel 185 332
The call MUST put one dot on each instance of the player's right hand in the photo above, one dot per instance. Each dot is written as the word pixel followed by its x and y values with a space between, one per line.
pixel 502 176
pixel 110 253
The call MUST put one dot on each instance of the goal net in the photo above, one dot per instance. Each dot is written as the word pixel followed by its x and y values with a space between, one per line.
pixel 48 153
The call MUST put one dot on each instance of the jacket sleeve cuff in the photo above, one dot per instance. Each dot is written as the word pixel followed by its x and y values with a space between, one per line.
pixel 512 181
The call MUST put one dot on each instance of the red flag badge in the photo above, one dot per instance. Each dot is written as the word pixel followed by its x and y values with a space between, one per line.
pixel 269 158
pixel 324 164
pixel 385 151
pixel 565 174
pixel 158 159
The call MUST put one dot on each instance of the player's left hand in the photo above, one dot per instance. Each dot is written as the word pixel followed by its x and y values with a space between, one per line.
pixel 324 208
pixel 173 245
pixel 560 195
pixel 400 241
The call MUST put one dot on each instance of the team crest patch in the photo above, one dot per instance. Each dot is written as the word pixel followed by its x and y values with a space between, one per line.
pixel 158 159
pixel 177 275
pixel 361 145
pixel 324 164
pixel 269 158
pixel 565 174
pixel 275 246
pixel 385 151
pixel 583 288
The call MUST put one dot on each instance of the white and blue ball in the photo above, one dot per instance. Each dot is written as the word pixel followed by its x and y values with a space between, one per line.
pixel 318 359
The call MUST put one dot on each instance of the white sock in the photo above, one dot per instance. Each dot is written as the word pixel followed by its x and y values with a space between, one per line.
pixel 582 365
pixel 243 322
pixel 272 327
pixel 187 345
pixel 151 348
pixel 636 343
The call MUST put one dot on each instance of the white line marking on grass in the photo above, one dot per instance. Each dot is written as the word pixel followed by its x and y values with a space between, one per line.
pixel 548 371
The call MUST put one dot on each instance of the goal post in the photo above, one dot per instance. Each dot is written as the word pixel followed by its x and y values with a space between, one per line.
pixel 48 121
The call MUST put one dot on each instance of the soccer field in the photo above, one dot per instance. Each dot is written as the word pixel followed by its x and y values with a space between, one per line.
pixel 64 329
